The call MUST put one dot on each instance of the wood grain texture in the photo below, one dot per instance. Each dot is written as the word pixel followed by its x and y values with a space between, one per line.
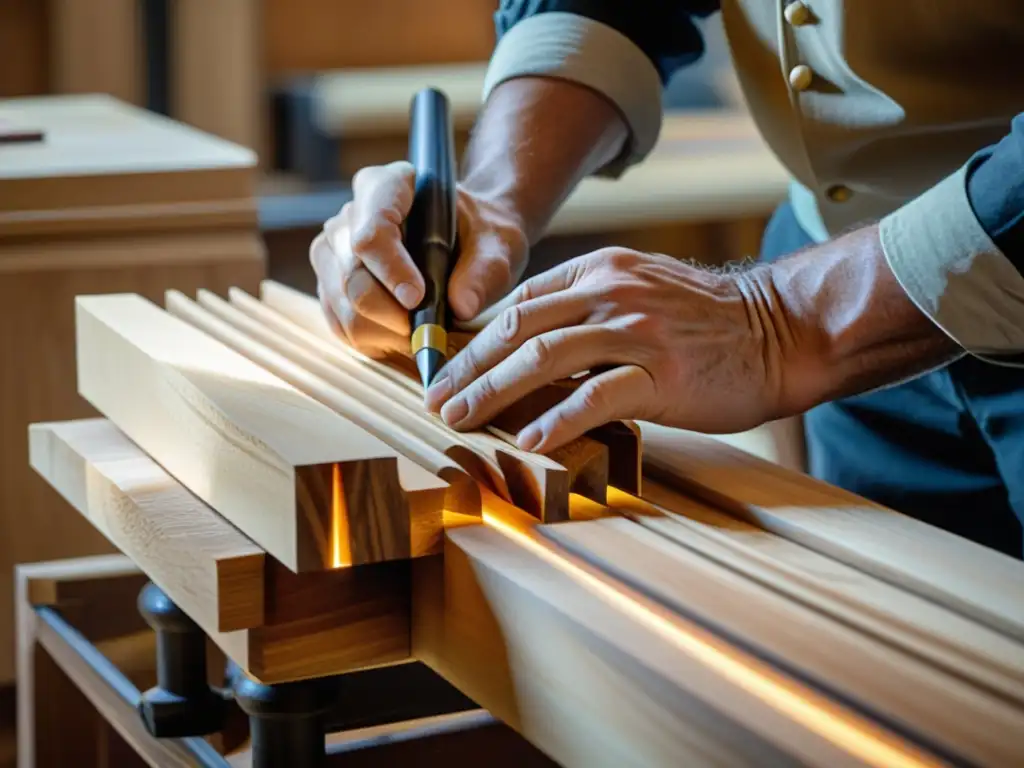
pixel 597 675
pixel 959 646
pixel 96 47
pixel 308 373
pixel 217 69
pixel 538 484
pixel 312 624
pixel 210 569
pixel 37 381
pixel 305 484
pixel 892 686
pixel 309 35
pixel 985 585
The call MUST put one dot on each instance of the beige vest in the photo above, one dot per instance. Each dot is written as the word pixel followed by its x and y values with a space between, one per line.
pixel 877 100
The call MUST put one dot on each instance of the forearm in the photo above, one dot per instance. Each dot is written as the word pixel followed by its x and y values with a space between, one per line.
pixel 841 324
pixel 536 139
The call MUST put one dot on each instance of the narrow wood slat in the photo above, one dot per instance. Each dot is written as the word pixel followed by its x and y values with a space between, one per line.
pixel 978 582
pixel 930 631
pixel 208 566
pixel 596 674
pixel 308 486
pixel 951 716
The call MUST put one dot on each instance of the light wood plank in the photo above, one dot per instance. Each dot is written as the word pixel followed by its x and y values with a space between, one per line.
pixel 308 486
pixel 212 570
pixel 313 624
pixel 307 373
pixel 539 484
pixel 596 675
pixel 959 646
pixel 984 585
pixel 893 686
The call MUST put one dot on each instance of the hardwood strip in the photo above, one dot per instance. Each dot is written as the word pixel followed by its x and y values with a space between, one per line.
pixel 536 483
pixel 308 486
pixel 959 720
pixel 959 646
pixel 318 623
pixel 371 410
pixel 985 585
pixel 461 493
pixel 539 484
pixel 211 569
pixel 593 673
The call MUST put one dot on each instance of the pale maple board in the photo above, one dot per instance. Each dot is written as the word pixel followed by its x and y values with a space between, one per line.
pixel 979 583
pixel 926 629
pixel 595 674
pixel 893 686
pixel 311 488
pixel 213 572
pixel 309 624
pixel 539 484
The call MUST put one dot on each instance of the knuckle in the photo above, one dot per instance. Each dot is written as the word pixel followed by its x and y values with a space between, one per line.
pixel 367 237
pixel 483 392
pixel 593 397
pixel 509 323
pixel 538 353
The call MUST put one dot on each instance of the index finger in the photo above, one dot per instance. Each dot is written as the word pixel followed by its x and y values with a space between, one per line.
pixel 382 198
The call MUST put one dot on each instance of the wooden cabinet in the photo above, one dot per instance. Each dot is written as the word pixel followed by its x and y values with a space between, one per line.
pixel 114 199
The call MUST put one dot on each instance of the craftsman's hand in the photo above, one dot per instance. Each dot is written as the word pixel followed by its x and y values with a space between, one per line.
pixel 367 281
pixel 690 349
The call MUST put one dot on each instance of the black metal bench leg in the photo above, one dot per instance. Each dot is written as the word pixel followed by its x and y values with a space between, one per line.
pixel 287 722
pixel 182 704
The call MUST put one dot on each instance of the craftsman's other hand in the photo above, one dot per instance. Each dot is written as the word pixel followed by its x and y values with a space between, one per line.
pixel 367 281
pixel 688 348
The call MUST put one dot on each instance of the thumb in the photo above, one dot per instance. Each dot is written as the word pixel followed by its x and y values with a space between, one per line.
pixel 490 264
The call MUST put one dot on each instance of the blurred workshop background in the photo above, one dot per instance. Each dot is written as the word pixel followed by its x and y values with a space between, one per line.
pixel 301 93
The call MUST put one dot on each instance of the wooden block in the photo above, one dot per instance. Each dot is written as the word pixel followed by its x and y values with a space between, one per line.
pixel 308 486
pixel 536 483
pixel 596 675
pixel 891 686
pixel 307 373
pixel 210 569
pixel 985 585
pixel 313 624
pixel 539 484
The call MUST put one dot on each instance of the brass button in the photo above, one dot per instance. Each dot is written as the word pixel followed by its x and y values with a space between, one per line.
pixel 800 77
pixel 838 193
pixel 797 13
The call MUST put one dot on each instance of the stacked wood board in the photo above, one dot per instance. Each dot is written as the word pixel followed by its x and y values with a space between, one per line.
pixel 111 199
pixel 295 500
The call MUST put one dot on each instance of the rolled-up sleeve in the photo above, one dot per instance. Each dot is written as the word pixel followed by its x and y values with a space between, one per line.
pixel 626 51
pixel 958 251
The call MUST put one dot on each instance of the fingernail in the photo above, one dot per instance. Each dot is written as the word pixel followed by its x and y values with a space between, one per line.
pixel 529 438
pixel 438 392
pixel 406 295
pixel 455 411
pixel 470 304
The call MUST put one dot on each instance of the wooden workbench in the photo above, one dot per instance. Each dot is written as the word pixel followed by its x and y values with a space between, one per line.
pixel 112 199
pixel 718 608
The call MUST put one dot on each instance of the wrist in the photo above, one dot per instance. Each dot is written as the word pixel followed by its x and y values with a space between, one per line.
pixel 843 324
